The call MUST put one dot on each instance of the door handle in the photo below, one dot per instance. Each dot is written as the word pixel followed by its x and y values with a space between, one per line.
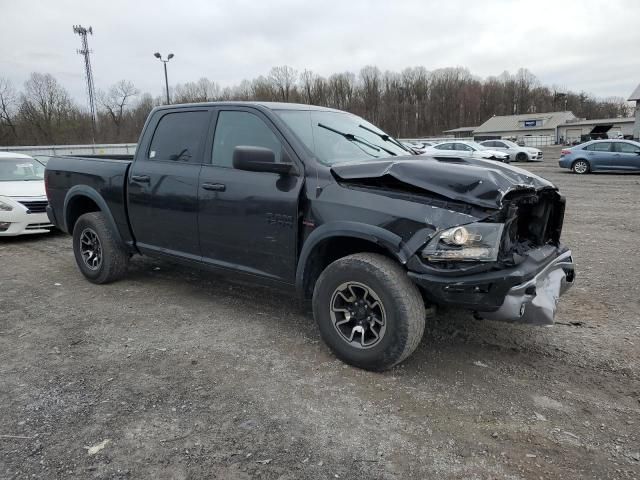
pixel 215 187
pixel 141 178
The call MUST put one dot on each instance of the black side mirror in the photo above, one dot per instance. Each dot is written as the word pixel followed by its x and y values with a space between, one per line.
pixel 258 159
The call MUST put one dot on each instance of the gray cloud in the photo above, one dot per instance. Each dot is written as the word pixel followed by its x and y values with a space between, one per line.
pixel 579 45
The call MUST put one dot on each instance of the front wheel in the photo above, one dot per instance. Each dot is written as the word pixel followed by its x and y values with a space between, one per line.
pixel 580 167
pixel 100 256
pixel 522 157
pixel 368 311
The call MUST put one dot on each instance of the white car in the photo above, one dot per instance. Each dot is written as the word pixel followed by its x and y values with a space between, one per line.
pixel 515 151
pixel 460 148
pixel 23 200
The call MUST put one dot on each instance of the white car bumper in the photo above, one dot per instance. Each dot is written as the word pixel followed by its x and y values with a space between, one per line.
pixel 20 221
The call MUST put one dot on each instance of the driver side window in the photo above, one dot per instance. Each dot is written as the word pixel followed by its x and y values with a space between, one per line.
pixel 235 129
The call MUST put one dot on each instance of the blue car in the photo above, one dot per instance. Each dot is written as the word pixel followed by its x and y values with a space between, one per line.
pixel 602 155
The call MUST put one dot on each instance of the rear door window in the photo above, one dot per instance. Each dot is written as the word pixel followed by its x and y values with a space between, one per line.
pixel 599 147
pixel 179 136
pixel 444 146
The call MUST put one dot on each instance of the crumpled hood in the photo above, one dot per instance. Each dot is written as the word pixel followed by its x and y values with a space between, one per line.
pixel 483 183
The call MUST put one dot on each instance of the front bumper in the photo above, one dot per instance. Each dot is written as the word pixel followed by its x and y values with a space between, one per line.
pixel 21 223
pixel 527 293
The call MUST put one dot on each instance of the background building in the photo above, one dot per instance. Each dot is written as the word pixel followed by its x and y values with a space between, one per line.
pixel 574 131
pixel 461 132
pixel 635 97
pixel 531 128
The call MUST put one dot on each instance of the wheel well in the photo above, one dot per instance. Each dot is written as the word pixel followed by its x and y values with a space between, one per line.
pixel 78 206
pixel 331 249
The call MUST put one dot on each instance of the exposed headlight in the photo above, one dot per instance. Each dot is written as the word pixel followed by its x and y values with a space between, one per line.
pixel 5 207
pixel 478 242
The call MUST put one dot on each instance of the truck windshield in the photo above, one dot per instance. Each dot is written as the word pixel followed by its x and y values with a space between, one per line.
pixel 17 169
pixel 338 137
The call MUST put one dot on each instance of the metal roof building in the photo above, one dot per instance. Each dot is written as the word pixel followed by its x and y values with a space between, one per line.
pixel 520 126
pixel 596 128
pixel 460 132
pixel 635 97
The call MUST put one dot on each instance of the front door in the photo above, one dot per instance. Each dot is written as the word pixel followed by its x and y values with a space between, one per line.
pixel 248 221
pixel 163 184
pixel 628 155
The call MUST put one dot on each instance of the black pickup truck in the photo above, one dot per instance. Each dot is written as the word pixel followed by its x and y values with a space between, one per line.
pixel 324 203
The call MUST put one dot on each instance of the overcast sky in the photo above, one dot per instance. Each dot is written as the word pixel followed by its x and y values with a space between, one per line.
pixel 579 45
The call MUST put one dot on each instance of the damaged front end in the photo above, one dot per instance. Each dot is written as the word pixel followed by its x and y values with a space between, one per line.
pixel 505 261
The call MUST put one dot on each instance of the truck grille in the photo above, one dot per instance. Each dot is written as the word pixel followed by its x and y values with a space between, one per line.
pixel 35 206
pixel 532 221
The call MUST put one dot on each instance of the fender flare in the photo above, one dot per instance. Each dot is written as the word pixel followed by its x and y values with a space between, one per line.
pixel 386 239
pixel 87 191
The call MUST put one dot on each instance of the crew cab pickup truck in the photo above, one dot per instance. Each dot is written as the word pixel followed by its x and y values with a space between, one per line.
pixel 321 202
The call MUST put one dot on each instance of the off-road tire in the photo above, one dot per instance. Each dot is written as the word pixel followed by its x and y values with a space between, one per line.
pixel 576 167
pixel 115 257
pixel 522 157
pixel 402 301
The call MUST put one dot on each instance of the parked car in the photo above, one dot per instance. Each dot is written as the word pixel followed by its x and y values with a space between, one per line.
pixel 464 149
pixel 323 203
pixel 602 155
pixel 515 151
pixel 22 195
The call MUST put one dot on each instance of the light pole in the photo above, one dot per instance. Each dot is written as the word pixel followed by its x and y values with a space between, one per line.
pixel 166 80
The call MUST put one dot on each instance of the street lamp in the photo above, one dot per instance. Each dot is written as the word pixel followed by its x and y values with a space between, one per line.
pixel 166 81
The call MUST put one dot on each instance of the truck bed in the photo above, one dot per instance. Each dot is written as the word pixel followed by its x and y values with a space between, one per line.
pixel 102 178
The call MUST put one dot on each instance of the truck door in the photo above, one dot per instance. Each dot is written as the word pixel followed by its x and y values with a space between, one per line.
pixel 163 183
pixel 248 220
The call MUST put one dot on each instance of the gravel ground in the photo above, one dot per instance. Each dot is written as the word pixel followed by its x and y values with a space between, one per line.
pixel 173 373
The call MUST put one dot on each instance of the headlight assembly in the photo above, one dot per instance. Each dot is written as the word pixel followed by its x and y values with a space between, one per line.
pixel 477 242
pixel 5 207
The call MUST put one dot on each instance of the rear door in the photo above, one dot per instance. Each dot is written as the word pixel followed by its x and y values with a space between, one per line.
pixel 248 221
pixel 601 156
pixel 628 155
pixel 163 183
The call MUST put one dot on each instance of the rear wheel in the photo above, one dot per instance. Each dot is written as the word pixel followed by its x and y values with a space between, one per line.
pixel 580 167
pixel 368 311
pixel 100 256
pixel 522 157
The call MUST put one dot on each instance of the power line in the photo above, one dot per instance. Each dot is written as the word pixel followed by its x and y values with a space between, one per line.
pixel 85 52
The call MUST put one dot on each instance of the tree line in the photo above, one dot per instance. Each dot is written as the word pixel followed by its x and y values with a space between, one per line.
pixel 412 103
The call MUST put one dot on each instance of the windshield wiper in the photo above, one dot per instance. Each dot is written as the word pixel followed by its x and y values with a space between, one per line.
pixel 354 138
pixel 386 138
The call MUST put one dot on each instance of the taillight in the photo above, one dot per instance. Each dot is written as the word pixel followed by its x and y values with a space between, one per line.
pixel 46 184
pixel 565 152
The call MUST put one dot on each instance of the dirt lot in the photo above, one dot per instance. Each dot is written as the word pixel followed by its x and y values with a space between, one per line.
pixel 179 374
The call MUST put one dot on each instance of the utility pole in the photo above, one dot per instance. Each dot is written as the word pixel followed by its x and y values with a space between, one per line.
pixel 166 79
pixel 85 52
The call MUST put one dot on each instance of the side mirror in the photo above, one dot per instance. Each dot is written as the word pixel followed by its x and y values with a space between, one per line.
pixel 259 159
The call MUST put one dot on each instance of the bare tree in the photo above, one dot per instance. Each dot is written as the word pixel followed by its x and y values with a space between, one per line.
pixel 46 105
pixel 204 90
pixel 283 79
pixel 116 100
pixel 8 106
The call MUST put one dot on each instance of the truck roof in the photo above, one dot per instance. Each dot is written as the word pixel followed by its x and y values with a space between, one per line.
pixel 268 105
